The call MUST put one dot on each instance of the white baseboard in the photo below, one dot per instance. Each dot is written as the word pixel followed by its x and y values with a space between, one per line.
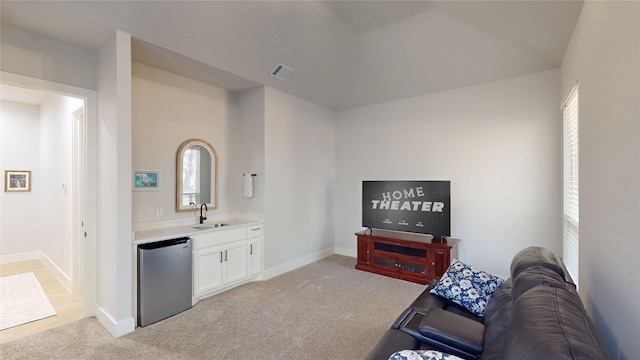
pixel 39 255
pixel 57 272
pixel 347 252
pixel 32 255
pixel 116 328
pixel 294 264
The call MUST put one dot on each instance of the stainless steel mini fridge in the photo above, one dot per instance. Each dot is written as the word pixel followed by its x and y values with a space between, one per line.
pixel 164 279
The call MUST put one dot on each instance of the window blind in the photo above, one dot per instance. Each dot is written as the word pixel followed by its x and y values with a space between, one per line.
pixel 571 205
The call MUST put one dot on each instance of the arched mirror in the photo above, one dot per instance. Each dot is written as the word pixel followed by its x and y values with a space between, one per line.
pixel 195 175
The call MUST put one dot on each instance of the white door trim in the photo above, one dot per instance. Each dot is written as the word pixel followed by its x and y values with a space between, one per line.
pixel 77 221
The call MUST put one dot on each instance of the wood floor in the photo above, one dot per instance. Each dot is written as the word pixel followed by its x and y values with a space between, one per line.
pixel 68 306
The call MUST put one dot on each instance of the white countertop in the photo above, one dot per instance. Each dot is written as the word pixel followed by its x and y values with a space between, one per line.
pixel 166 233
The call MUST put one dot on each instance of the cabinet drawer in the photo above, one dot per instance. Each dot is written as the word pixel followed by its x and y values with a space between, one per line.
pixel 218 237
pixel 254 231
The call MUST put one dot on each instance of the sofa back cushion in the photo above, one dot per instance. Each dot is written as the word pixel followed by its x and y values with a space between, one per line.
pixel 538 256
pixel 426 300
pixel 497 314
pixel 550 323
pixel 500 297
pixel 535 276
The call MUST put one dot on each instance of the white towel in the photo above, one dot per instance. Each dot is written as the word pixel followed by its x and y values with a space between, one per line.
pixel 248 186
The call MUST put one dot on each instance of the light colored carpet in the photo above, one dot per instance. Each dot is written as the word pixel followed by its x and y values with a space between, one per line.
pixel 22 300
pixel 325 310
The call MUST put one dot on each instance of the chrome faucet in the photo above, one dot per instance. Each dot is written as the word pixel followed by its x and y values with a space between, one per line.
pixel 203 218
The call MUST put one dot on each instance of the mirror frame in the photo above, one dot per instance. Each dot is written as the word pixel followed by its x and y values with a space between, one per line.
pixel 213 175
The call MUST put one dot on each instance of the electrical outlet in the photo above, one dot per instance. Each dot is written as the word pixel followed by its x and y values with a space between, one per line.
pixel 158 212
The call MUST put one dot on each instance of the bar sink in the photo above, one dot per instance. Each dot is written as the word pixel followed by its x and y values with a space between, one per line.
pixel 208 226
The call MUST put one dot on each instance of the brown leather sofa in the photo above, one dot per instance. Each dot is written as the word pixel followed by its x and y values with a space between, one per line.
pixel 535 314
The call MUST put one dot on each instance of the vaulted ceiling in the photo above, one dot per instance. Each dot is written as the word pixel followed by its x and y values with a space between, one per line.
pixel 344 54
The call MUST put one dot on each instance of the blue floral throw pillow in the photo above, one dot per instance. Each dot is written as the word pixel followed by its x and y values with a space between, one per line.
pixel 467 286
pixel 422 355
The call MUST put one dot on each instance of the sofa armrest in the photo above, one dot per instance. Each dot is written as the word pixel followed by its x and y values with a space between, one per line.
pixel 398 323
pixel 393 340
pixel 453 330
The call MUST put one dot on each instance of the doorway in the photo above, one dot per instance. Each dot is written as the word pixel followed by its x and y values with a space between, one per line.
pixel 80 187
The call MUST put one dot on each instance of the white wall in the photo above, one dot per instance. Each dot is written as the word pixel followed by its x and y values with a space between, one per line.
pixel 45 58
pixel 169 109
pixel 55 204
pixel 252 151
pixel 19 140
pixel 115 266
pixel 604 54
pixel 299 171
pixel 499 144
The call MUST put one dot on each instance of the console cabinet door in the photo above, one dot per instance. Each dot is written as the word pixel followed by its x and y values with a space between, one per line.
pixel 364 251
pixel 440 261
pixel 415 267
pixel 207 270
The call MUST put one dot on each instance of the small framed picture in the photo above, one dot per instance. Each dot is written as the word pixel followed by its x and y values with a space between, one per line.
pixel 17 180
pixel 146 180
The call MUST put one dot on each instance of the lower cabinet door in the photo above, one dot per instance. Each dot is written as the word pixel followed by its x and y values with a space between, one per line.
pixel 255 256
pixel 207 269
pixel 235 261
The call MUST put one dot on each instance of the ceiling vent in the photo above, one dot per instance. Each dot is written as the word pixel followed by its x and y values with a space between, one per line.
pixel 281 72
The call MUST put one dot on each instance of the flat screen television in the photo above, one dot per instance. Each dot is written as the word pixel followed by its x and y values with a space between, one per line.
pixel 412 206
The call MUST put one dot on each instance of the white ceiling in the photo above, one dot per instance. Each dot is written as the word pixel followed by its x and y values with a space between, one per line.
pixel 344 54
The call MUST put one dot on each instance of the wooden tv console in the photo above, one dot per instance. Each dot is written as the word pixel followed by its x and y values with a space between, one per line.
pixel 407 256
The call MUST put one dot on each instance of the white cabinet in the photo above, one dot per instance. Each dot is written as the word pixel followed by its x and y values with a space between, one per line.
pixel 255 256
pixel 225 258
pixel 255 250
pixel 207 270
pixel 234 266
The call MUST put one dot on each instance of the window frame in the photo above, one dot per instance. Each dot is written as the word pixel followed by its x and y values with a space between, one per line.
pixel 571 187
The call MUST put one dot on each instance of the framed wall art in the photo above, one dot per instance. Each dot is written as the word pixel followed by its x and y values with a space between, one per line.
pixel 17 180
pixel 146 180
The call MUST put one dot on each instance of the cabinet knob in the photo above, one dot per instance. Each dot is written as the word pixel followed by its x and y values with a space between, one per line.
pixel 434 264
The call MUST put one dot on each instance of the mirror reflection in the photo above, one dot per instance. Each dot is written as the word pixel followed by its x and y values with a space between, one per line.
pixel 195 175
